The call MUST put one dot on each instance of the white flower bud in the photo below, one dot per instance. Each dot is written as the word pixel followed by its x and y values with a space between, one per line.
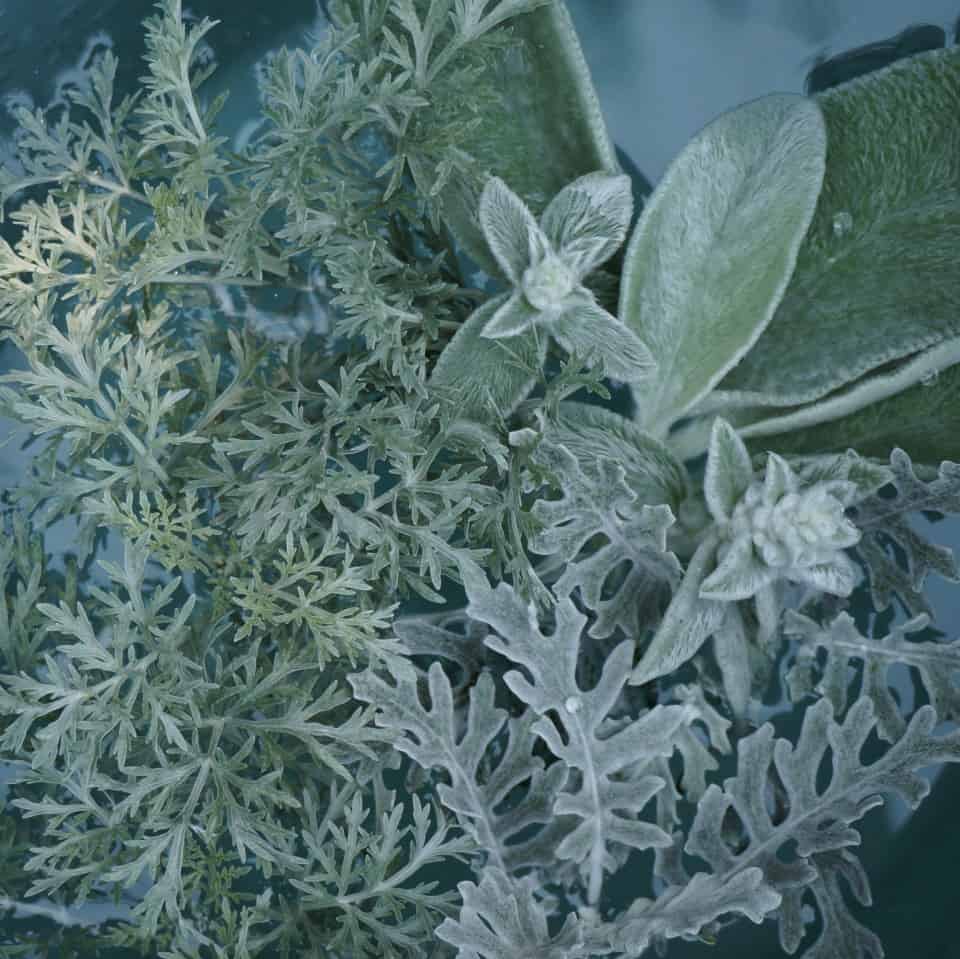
pixel 799 530
pixel 548 283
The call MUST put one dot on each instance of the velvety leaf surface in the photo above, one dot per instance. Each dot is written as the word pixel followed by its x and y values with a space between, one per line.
pixel 594 432
pixel 923 420
pixel 548 132
pixel 716 244
pixel 484 378
pixel 687 623
pixel 876 277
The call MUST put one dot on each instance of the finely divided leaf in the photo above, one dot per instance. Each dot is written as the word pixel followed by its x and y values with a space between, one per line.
pixel 485 768
pixel 937 666
pixel 736 828
pixel 503 919
pixel 627 579
pixel 884 520
pixel 606 803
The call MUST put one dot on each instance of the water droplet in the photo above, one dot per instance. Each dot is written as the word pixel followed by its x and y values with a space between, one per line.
pixel 930 379
pixel 572 705
pixel 842 223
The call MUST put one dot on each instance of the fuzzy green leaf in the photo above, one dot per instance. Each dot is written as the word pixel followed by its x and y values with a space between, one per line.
pixel 715 247
pixel 545 132
pixel 875 278
pixel 687 623
pixel 484 378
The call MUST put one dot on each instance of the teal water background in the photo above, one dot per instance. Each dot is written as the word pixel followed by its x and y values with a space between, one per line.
pixel 662 70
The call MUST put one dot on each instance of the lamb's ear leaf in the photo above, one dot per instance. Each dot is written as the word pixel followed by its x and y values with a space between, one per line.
pixel 716 244
pixel 875 277
pixel 886 408
pixel 924 420
pixel 593 432
pixel 687 624
pixel 482 378
pixel 729 472
pixel 547 130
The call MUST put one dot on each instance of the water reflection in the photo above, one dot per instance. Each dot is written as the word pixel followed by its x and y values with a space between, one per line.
pixel 812 21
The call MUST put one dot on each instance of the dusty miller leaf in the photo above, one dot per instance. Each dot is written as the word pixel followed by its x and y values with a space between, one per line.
pixel 608 807
pixel 936 664
pixel 501 919
pixel 884 520
pixel 602 504
pixel 484 769
pixel 816 819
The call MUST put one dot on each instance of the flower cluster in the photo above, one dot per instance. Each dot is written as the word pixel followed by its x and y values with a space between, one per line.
pixel 801 530
pixel 775 530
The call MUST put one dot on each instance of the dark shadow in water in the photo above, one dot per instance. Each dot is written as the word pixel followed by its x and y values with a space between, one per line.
pixel 832 71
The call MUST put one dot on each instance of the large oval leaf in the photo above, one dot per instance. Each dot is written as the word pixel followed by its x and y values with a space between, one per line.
pixel 877 276
pixel 547 131
pixel 716 245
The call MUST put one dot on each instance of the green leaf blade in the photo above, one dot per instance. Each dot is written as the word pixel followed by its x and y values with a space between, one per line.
pixel 547 131
pixel 708 260
pixel 875 278
pixel 485 378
